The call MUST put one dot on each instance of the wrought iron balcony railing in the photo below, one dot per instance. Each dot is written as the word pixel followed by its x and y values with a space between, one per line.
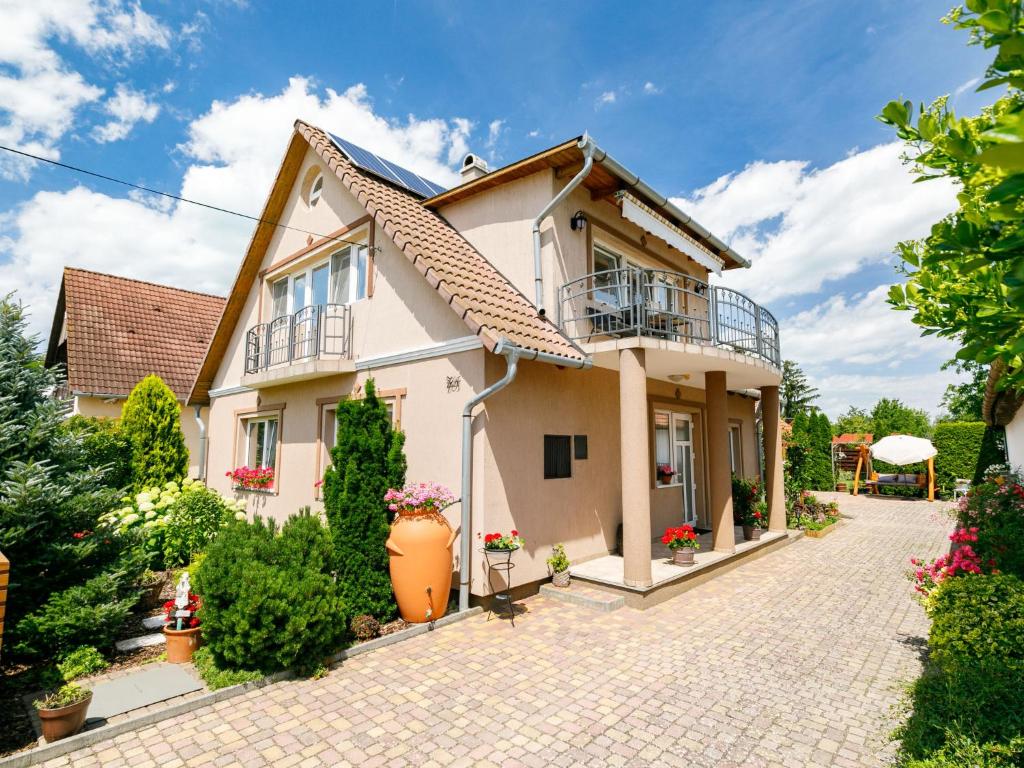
pixel 667 305
pixel 317 331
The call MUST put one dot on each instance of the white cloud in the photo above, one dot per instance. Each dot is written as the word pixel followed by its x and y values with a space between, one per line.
pixel 860 330
pixel 533 134
pixel 126 107
pixel 651 89
pixel 39 95
pixel 964 87
pixel 608 97
pixel 838 391
pixel 803 227
pixel 234 151
pixel 494 132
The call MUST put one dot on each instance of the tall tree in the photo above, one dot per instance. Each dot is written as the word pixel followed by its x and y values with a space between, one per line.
pixel 854 421
pixel 51 499
pixel 892 417
pixel 964 401
pixel 795 391
pixel 965 280
pixel 151 418
pixel 365 462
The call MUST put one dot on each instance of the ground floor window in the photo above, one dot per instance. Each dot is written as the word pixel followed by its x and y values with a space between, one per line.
pixel 261 442
pixel 673 455
pixel 328 428
pixel 557 457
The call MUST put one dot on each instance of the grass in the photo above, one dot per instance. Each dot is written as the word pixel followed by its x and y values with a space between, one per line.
pixel 214 677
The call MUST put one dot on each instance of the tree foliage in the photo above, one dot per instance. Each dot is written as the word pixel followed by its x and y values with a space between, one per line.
pixel 795 391
pixel 854 421
pixel 813 432
pixel 964 401
pixel 892 417
pixel 365 462
pixel 51 499
pixel 965 281
pixel 151 418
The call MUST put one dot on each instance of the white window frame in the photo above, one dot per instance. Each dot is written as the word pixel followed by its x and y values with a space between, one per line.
pixel 358 278
pixel 673 417
pixel 249 422
pixel 736 449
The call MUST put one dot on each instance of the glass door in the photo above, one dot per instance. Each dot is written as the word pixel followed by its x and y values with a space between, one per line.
pixel 683 444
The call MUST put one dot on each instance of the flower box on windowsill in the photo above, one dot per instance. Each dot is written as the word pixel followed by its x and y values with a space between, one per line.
pixel 270 491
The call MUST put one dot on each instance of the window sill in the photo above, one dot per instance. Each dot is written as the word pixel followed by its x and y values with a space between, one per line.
pixel 668 485
pixel 259 491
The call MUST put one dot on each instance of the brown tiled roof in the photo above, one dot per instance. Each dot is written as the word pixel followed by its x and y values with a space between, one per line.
pixel 485 300
pixel 121 330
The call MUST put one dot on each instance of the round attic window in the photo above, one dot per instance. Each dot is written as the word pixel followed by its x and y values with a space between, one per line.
pixel 316 190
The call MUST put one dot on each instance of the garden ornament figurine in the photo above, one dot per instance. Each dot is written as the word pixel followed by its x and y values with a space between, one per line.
pixel 181 593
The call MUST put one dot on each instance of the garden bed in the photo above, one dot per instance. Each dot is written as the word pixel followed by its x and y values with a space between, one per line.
pixel 820 533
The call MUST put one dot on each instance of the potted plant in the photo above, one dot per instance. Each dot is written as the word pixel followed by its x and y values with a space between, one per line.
pixel 756 521
pixel 843 478
pixel 420 550
pixel 151 584
pixel 559 565
pixel 665 474
pixel 62 713
pixel 499 542
pixel 181 624
pixel 683 542
pixel 252 479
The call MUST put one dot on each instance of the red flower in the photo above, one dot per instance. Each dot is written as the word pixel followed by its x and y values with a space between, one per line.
pixel 515 532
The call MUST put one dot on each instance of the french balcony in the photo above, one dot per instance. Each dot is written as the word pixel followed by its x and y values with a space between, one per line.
pixel 682 313
pixel 315 341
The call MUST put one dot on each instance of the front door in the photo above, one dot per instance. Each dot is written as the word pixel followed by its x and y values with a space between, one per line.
pixel 682 438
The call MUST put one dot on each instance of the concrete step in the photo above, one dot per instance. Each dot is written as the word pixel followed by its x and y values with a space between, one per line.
pixel 584 596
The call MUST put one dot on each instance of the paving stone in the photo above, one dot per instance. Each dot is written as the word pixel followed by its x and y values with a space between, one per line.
pixel 142 641
pixel 794 659
pixel 153 683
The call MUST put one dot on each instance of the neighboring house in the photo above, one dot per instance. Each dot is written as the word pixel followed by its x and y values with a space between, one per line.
pixel 1003 408
pixel 618 355
pixel 110 332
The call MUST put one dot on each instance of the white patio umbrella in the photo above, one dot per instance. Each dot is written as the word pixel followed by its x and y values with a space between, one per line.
pixel 903 449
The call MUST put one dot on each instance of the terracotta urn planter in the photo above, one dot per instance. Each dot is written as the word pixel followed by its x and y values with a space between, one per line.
pixel 750 533
pixel 420 562
pixel 683 556
pixel 560 579
pixel 181 643
pixel 66 721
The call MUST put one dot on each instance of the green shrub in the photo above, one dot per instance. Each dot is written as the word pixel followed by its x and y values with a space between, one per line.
pixel 88 614
pixel 215 677
pixel 270 600
pixel 366 461
pixel 151 418
pixel 191 523
pixel 976 618
pixel 996 509
pixel 745 496
pixel 966 716
pixel 104 444
pixel 81 662
pixel 965 449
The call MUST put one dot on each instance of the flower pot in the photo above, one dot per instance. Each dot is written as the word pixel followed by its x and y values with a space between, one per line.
pixel 750 533
pixel 65 721
pixel 181 643
pixel 420 562
pixel 560 579
pixel 664 479
pixel 841 487
pixel 683 556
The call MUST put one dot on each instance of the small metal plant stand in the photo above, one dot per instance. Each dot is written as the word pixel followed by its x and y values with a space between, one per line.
pixel 500 560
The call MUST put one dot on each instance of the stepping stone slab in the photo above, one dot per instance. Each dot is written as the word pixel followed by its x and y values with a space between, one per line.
pixel 143 641
pixel 156 682
pixel 153 622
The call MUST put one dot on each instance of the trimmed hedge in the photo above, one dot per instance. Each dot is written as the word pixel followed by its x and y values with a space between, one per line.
pixel 976 618
pixel 966 449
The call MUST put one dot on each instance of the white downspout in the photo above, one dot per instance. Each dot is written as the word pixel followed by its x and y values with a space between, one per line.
pixel 587 145
pixel 512 355
pixel 202 442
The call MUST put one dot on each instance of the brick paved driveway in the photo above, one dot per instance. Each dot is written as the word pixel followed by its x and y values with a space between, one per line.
pixel 793 659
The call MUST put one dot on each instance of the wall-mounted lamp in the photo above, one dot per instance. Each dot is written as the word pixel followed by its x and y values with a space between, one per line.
pixel 677 377
pixel 578 221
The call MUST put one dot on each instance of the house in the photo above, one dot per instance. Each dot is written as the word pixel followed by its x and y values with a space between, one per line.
pixel 554 316
pixel 1002 408
pixel 110 332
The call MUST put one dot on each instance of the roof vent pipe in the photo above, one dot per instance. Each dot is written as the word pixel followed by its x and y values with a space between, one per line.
pixel 588 146
pixel 473 167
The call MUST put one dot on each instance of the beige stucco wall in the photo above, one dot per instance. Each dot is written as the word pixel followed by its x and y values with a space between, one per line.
pixel 583 511
pixel 430 417
pixel 111 409
pixel 1015 441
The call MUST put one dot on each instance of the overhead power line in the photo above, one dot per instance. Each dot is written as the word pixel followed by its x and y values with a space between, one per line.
pixel 178 198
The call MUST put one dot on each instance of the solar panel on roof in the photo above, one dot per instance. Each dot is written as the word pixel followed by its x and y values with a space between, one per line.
pixel 387 169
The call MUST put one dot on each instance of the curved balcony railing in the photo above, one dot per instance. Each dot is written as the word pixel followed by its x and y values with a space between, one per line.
pixel 317 331
pixel 667 305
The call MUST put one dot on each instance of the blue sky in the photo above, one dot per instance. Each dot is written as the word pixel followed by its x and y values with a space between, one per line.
pixel 758 117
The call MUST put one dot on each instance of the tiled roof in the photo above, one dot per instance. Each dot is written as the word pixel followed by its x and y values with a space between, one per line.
pixel 485 300
pixel 849 438
pixel 121 330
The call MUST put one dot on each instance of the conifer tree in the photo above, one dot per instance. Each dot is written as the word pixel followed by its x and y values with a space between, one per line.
pixel 366 461
pixel 151 418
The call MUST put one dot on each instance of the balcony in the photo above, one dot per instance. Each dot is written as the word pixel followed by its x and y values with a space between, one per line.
pixel 671 306
pixel 313 342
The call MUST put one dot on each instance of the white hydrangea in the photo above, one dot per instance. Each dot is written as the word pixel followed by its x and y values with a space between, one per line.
pixel 151 514
pixel 129 520
pixel 239 515
pixel 146 506
pixel 143 498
